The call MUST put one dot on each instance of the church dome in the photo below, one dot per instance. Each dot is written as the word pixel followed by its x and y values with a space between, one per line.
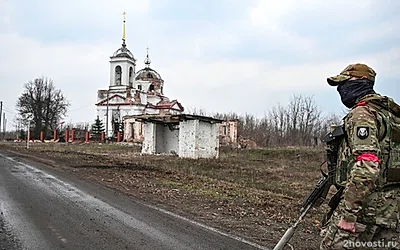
pixel 148 74
pixel 123 52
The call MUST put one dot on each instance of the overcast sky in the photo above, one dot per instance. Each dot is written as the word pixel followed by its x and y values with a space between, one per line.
pixel 218 55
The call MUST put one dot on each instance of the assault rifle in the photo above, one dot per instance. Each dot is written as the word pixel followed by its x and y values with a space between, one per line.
pixel 319 193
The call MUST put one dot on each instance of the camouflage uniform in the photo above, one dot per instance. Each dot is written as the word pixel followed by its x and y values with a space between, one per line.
pixel 368 168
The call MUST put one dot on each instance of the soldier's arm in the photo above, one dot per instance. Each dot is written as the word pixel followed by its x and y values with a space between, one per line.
pixel 362 132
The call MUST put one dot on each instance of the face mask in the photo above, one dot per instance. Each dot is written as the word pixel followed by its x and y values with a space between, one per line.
pixel 351 91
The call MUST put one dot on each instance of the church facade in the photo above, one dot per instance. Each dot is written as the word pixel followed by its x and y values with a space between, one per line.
pixel 131 93
pixel 134 95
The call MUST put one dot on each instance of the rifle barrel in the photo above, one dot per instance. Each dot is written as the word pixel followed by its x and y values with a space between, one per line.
pixel 290 231
pixel 285 238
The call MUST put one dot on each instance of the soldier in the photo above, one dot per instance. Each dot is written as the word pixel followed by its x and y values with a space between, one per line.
pixel 368 167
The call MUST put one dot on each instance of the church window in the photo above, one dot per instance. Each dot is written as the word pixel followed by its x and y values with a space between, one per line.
pixel 151 88
pixel 139 87
pixel 149 75
pixel 118 74
pixel 130 76
pixel 132 129
pixel 140 129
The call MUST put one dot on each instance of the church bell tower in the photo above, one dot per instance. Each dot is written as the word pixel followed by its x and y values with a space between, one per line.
pixel 122 65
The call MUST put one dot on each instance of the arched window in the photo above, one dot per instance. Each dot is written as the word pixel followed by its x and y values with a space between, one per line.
pixel 151 87
pixel 118 74
pixel 130 76
pixel 149 75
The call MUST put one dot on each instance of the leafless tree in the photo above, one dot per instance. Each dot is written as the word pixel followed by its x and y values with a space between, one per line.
pixel 43 104
pixel 299 123
pixel 196 111
pixel 279 118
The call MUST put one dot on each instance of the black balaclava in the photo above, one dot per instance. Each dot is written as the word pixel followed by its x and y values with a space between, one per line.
pixel 351 90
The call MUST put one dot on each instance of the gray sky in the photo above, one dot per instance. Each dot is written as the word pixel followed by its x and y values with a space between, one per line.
pixel 221 56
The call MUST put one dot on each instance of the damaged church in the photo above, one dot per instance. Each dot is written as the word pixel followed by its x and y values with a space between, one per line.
pixel 133 94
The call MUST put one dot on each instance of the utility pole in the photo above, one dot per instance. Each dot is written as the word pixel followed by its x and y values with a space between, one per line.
pixel 106 134
pixel 29 134
pixel 4 125
pixel 17 130
pixel 1 112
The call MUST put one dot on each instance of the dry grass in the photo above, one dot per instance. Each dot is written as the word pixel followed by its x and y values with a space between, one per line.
pixel 255 193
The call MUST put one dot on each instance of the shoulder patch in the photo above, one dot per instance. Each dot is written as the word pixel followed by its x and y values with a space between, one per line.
pixel 362 132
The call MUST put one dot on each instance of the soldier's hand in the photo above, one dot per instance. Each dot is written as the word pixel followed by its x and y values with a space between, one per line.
pixel 347 226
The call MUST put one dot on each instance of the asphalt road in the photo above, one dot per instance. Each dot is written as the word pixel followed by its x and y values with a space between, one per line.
pixel 41 208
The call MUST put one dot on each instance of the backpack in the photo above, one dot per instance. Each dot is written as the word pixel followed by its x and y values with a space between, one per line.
pixel 389 112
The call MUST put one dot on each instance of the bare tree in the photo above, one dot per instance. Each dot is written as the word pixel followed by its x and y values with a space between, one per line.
pixel 332 119
pixel 279 118
pixel 196 111
pixel 299 123
pixel 43 104
pixel 310 119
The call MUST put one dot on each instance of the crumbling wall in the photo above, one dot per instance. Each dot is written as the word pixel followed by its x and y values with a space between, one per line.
pixel 208 141
pixel 133 130
pixel 149 142
pixel 129 129
pixel 228 133
pixel 198 139
pixel 233 132
pixel 188 139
